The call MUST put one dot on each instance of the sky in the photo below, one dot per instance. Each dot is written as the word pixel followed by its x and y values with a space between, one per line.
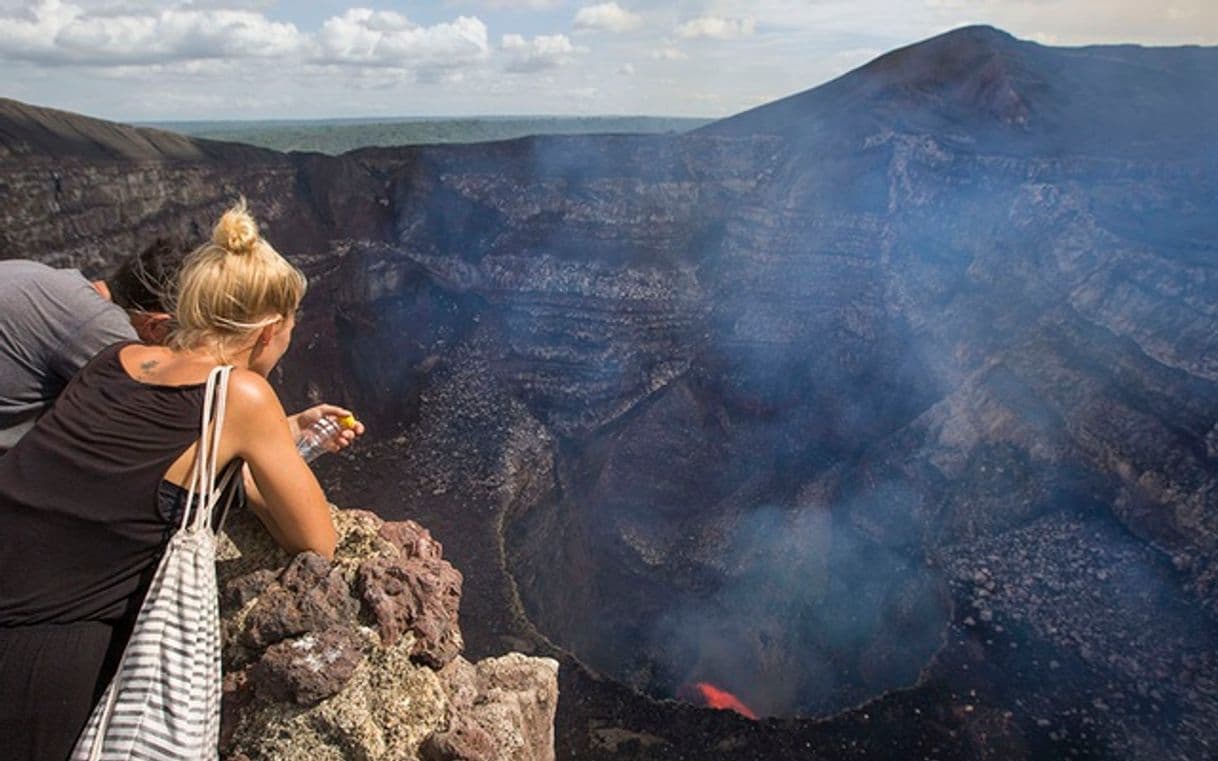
pixel 145 60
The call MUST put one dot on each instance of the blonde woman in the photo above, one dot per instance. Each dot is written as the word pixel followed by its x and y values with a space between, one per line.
pixel 89 497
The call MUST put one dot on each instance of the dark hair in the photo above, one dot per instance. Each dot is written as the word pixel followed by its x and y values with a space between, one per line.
pixel 146 281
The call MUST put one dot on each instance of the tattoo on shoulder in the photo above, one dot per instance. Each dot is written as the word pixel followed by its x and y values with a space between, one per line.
pixel 146 368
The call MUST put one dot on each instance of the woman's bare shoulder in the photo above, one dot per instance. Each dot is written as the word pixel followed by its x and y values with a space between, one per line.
pixel 252 393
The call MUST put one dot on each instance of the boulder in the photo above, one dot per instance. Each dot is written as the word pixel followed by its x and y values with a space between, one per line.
pixel 498 710
pixel 359 657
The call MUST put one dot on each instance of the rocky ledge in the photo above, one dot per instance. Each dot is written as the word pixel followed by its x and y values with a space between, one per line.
pixel 359 658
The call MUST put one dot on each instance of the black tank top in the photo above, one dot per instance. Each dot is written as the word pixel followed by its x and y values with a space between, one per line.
pixel 82 519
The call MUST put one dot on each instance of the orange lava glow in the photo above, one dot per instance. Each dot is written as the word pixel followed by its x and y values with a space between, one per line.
pixel 722 699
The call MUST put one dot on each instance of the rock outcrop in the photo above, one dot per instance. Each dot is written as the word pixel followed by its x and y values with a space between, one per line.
pixel 359 658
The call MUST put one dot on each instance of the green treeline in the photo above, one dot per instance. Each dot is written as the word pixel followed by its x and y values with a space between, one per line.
pixel 342 135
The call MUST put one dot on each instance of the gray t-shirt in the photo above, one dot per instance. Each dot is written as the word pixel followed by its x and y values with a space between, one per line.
pixel 51 323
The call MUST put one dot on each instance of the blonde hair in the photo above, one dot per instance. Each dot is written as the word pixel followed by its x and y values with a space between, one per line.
pixel 233 286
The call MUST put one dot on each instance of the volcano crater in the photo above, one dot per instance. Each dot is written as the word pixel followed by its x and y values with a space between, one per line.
pixel 698 544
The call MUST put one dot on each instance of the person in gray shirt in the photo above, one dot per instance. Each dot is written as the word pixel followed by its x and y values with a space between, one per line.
pixel 53 321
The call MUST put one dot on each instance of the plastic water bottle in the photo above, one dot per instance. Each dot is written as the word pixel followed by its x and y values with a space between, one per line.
pixel 314 439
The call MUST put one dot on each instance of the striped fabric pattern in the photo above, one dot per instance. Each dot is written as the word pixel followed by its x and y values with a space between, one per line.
pixel 164 702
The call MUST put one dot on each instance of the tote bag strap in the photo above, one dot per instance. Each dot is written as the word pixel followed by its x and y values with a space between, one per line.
pixel 204 490
pixel 234 469
pixel 200 500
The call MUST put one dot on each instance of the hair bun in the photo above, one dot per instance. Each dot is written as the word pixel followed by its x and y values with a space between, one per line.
pixel 237 232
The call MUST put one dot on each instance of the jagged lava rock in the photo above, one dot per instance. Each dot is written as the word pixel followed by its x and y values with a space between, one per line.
pixel 359 658
pixel 498 711
pixel 415 591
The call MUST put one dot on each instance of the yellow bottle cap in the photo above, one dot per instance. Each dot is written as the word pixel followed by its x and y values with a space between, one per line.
pixel 347 422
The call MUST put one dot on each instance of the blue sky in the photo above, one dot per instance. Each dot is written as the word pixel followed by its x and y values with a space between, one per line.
pixel 254 59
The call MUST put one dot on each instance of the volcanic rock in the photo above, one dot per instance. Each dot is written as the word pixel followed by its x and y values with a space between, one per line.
pixel 416 591
pixel 498 711
pixel 308 596
pixel 308 669
pixel 305 676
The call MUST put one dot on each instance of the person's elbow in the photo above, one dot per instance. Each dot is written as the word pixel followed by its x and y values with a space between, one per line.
pixel 320 539
pixel 294 537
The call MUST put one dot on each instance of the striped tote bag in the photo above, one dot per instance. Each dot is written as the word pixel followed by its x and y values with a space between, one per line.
pixel 164 700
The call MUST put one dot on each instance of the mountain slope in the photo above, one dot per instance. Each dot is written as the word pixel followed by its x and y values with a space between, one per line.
pixel 31 131
pixel 986 86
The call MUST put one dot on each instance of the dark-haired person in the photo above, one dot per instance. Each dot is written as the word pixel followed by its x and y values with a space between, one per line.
pixel 52 321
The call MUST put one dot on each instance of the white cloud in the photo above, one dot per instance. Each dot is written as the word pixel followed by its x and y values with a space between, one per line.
pixel 532 5
pixel 669 53
pixel 545 51
pixel 716 28
pixel 55 32
pixel 607 17
pixel 626 70
pixel 117 36
pixel 384 38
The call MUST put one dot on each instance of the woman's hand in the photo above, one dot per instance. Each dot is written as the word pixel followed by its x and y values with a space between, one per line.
pixel 302 420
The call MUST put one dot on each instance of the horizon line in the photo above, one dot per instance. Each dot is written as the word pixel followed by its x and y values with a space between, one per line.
pixel 447 117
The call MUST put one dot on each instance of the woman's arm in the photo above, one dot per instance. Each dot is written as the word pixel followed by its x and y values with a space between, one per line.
pixel 288 499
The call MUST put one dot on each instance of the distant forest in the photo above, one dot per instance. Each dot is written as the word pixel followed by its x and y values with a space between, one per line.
pixel 336 136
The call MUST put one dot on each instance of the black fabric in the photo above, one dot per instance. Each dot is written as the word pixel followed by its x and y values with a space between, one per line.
pixel 78 496
pixel 84 518
pixel 52 676
pixel 171 501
